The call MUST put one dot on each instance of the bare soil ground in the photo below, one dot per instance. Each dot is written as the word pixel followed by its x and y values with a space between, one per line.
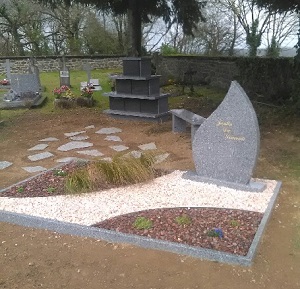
pixel 32 258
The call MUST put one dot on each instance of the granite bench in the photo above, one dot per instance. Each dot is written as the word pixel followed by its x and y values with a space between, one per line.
pixel 182 117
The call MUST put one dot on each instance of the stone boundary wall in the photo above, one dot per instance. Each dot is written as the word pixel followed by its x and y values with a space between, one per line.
pixel 54 63
pixel 267 77
pixel 216 71
pixel 257 76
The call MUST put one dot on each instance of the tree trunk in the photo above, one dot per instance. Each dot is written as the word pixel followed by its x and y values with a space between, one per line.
pixel 135 28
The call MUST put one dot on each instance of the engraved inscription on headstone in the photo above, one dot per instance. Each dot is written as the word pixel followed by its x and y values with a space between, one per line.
pixel 226 145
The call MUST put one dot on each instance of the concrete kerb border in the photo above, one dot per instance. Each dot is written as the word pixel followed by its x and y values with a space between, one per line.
pixel 144 242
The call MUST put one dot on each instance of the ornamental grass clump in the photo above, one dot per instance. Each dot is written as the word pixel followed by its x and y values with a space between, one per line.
pixel 78 181
pixel 125 170
pixel 122 170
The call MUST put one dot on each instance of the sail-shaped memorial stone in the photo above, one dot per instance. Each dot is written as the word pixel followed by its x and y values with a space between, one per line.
pixel 226 146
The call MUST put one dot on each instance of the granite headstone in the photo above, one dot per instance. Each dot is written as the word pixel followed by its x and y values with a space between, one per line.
pixel 226 146
pixel 64 74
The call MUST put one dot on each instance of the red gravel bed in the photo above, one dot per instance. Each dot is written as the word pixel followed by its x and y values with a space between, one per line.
pixel 44 185
pixel 238 227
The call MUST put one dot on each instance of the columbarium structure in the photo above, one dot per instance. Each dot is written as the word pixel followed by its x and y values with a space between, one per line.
pixel 137 92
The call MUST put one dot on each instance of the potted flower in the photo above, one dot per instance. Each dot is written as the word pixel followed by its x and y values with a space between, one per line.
pixel 64 98
pixel 86 98
pixel 4 82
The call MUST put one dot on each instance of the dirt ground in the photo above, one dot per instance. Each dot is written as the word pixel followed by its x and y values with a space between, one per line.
pixel 32 258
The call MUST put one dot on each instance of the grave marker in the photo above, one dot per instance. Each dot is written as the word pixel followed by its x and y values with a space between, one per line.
pixel 7 65
pixel 64 74
pixel 226 146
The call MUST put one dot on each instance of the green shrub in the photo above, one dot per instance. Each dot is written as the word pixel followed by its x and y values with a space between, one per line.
pixel 142 223
pixel 183 220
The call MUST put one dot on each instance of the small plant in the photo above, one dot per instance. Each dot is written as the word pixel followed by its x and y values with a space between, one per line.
pixel 215 233
pixel 234 223
pixel 87 91
pixel 183 220
pixel 20 189
pixel 51 190
pixel 59 173
pixel 142 223
pixel 78 181
pixel 58 92
pixel 4 81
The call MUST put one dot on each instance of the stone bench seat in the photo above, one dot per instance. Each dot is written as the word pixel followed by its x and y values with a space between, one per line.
pixel 182 117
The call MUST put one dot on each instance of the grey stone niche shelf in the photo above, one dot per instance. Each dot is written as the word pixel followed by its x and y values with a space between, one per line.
pixel 137 92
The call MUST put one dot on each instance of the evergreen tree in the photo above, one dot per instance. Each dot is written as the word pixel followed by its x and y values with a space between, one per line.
pixel 187 13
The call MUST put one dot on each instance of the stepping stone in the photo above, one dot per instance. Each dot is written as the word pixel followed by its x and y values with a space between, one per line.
pixel 80 137
pixel 4 165
pixel 38 147
pixel 108 159
pixel 68 134
pixel 113 138
pixel 40 156
pixel 90 127
pixel 109 130
pixel 119 148
pixel 74 145
pixel 148 146
pixel 67 160
pixel 135 154
pixel 35 169
pixel 49 139
pixel 94 153
pixel 161 158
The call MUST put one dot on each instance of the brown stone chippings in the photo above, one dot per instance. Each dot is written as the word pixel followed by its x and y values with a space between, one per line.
pixel 238 227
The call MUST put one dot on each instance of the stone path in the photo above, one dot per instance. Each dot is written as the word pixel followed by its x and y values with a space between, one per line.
pixel 75 143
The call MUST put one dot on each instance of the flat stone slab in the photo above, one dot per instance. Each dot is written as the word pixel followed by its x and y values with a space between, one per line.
pixel 119 148
pixel 67 160
pixel 148 146
pixel 93 153
pixel 40 156
pixel 68 134
pixel 79 137
pixel 49 139
pixel 74 145
pixel 90 127
pixel 5 164
pixel 135 154
pixel 34 169
pixel 113 138
pixel 161 158
pixel 109 130
pixel 38 147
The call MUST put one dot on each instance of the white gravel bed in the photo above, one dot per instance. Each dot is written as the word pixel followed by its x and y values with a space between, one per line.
pixel 168 191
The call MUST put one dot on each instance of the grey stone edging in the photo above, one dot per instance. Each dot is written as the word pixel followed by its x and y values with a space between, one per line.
pixel 145 242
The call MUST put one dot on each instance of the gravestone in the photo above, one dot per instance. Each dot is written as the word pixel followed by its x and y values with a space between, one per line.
pixel 25 89
pixel 33 69
pixel 87 67
pixel 25 84
pixel 7 65
pixel 64 74
pixel 226 145
pixel 91 83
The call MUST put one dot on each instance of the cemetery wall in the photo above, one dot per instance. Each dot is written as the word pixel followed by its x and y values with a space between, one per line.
pixel 258 76
pixel 53 63
pixel 267 77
